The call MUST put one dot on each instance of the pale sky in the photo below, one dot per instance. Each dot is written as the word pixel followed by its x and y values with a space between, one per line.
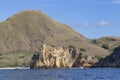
pixel 92 18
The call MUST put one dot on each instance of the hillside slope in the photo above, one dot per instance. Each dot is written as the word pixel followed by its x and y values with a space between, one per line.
pixel 27 30
pixel 111 41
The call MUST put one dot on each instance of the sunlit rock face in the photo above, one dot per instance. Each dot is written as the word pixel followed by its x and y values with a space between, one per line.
pixel 58 57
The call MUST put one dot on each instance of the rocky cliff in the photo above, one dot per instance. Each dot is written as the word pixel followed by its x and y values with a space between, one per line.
pixel 59 57
pixel 113 60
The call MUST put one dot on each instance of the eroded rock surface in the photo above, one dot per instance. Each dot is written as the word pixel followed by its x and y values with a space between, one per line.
pixel 59 57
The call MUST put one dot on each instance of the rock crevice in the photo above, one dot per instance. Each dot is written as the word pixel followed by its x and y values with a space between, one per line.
pixel 58 57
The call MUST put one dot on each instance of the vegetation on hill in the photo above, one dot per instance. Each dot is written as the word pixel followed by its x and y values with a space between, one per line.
pixel 27 30
pixel 108 43
pixel 15 59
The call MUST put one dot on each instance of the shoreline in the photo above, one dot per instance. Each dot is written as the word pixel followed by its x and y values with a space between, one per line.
pixel 14 68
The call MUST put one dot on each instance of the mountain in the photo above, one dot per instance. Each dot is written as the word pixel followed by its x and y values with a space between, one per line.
pixel 109 42
pixel 113 60
pixel 31 28
pixel 26 31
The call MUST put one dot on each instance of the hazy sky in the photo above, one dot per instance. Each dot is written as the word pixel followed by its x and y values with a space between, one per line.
pixel 92 18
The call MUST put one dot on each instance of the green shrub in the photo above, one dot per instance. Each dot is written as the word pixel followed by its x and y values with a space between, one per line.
pixel 83 49
pixel 71 46
pixel 0 54
pixel 14 65
pixel 22 57
pixel 98 58
pixel 94 41
pixel 1 58
pixel 86 57
pixel 105 46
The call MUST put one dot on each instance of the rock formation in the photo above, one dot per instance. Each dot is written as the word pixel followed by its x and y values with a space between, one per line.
pixel 113 60
pixel 58 57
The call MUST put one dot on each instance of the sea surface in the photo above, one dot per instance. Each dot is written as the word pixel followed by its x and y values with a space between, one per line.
pixel 61 74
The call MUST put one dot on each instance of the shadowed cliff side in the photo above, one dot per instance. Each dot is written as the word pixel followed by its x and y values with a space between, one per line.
pixel 113 60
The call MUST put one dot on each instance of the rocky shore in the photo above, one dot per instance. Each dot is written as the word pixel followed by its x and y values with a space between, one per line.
pixel 59 57
pixel 113 60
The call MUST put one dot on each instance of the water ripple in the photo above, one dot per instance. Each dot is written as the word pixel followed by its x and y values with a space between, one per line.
pixel 62 74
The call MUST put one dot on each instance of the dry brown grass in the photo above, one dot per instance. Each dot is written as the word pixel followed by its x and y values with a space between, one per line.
pixel 112 42
pixel 15 59
pixel 27 30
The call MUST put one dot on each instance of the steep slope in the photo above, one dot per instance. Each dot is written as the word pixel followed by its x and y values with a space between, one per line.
pixel 113 60
pixel 27 30
pixel 111 41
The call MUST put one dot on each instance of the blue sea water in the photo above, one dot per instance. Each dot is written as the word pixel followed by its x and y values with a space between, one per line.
pixel 62 74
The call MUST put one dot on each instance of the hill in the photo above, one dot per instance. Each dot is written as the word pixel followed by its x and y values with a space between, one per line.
pixel 27 30
pixel 109 43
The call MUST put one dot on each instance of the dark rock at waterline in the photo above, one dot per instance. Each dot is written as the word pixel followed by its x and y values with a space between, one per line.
pixel 113 60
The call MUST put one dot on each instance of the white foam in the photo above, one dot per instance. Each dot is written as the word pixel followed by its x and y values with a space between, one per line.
pixel 14 68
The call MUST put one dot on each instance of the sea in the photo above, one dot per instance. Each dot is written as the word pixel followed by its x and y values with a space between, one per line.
pixel 61 74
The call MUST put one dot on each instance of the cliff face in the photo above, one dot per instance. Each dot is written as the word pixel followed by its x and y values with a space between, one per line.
pixel 112 60
pixel 59 57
